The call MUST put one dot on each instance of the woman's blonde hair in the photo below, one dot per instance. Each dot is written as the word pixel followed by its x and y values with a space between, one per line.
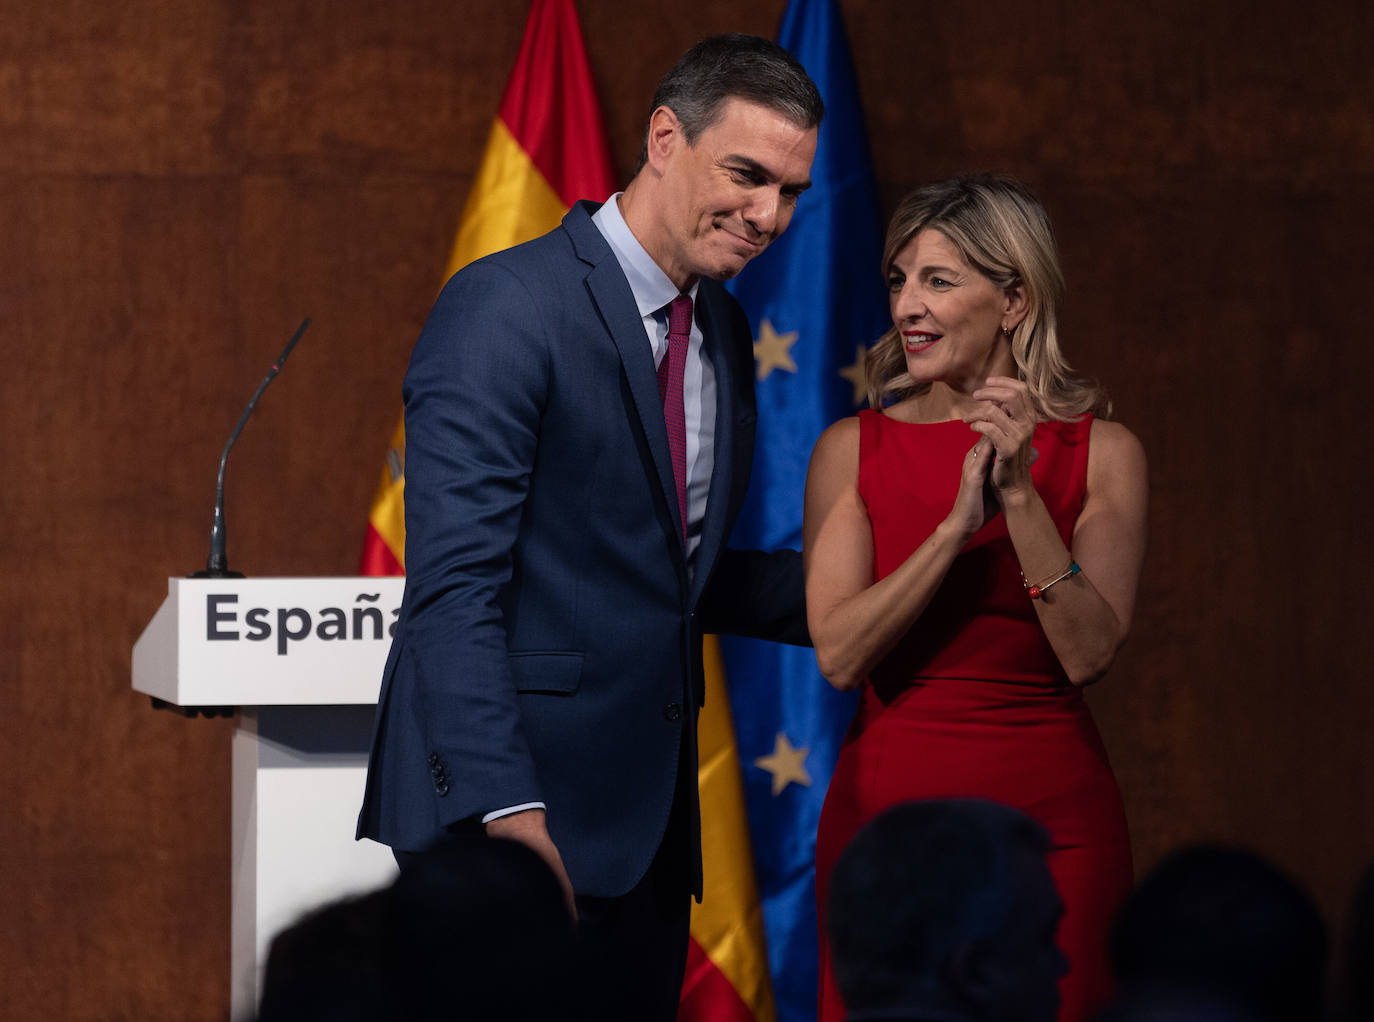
pixel 1003 232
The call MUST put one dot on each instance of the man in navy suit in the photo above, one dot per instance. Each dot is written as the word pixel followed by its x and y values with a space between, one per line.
pixel 565 530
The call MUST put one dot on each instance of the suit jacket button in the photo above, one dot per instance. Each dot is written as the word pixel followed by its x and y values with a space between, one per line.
pixel 672 712
pixel 433 758
pixel 436 770
pixel 442 788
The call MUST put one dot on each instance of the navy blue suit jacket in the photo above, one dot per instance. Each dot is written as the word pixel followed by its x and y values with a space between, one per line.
pixel 549 643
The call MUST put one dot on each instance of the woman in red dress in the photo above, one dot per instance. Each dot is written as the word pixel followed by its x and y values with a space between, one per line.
pixel 972 543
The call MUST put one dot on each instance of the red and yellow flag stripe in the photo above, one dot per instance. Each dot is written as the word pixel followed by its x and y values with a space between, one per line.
pixel 727 962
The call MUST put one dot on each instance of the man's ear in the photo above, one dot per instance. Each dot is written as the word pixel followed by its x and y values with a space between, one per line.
pixel 664 137
pixel 971 974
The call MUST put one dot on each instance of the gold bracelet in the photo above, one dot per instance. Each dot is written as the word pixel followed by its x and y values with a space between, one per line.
pixel 1035 592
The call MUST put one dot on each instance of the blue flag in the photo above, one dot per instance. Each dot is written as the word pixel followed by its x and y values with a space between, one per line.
pixel 816 302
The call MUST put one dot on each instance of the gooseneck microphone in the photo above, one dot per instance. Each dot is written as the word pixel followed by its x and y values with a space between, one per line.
pixel 217 564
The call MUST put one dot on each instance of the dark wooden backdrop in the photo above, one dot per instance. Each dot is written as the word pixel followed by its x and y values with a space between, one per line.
pixel 181 182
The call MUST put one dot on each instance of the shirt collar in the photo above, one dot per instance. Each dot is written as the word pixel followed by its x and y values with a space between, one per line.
pixel 648 283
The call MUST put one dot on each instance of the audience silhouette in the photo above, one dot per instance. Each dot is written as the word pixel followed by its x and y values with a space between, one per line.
pixel 944 910
pixel 474 928
pixel 1222 929
pixel 941 910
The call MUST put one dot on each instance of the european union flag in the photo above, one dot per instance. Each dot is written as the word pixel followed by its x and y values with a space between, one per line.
pixel 816 302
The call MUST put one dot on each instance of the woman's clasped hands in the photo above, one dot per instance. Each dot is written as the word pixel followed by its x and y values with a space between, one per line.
pixel 996 470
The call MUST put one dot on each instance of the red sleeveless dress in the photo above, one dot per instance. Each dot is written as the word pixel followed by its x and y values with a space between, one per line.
pixel 973 701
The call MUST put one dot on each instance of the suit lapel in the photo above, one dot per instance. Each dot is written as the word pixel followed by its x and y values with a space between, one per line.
pixel 610 293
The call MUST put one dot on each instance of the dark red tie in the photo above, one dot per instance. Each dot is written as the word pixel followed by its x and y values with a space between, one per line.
pixel 670 391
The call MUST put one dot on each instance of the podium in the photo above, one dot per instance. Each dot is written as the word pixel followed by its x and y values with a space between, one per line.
pixel 300 660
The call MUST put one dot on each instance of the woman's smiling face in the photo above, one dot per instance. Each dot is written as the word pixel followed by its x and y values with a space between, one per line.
pixel 950 316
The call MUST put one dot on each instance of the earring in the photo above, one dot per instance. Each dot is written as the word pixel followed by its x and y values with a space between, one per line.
pixel 1006 331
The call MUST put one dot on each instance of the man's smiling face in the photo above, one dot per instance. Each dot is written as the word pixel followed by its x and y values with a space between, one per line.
pixel 734 191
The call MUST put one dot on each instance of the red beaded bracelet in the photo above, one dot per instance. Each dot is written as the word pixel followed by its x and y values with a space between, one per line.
pixel 1035 592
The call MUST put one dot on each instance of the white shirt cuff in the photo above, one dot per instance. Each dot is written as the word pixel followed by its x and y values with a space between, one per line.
pixel 497 814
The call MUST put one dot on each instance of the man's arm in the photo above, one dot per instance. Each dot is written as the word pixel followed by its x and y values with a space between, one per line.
pixel 757 594
pixel 474 394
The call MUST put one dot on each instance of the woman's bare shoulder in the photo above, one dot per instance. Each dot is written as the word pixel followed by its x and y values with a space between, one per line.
pixel 1115 453
pixel 840 436
pixel 1115 439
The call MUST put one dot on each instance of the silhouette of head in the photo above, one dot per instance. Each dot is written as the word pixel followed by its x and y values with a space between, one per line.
pixel 1224 923
pixel 458 935
pixel 946 908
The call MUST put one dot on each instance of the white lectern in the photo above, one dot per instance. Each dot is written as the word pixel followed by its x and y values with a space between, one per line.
pixel 301 661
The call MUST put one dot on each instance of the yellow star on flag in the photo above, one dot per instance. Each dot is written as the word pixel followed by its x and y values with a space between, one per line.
pixel 786 764
pixel 772 350
pixel 855 374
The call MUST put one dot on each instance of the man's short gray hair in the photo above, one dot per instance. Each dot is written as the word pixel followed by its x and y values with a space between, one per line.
pixel 735 65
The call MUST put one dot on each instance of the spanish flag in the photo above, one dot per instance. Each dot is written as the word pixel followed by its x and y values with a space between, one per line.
pixel 546 150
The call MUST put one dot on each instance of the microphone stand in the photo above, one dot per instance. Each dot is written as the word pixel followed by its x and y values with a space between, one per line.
pixel 217 564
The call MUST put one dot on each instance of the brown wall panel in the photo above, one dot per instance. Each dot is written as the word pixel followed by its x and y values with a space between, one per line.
pixel 181 183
